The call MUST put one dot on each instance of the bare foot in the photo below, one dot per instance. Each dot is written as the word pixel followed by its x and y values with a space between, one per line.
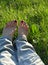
pixel 10 29
pixel 23 28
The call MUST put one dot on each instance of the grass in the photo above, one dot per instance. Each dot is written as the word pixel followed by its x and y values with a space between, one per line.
pixel 35 14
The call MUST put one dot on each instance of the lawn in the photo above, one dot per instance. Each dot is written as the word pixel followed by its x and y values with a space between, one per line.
pixel 35 14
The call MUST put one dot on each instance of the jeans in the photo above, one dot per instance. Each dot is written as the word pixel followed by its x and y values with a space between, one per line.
pixel 23 53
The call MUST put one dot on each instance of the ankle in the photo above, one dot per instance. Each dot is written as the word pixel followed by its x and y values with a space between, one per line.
pixel 22 37
pixel 8 36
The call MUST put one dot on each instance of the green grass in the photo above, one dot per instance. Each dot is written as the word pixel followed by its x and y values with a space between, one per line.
pixel 35 14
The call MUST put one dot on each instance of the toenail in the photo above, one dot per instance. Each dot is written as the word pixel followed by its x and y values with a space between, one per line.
pixel 15 21
pixel 22 21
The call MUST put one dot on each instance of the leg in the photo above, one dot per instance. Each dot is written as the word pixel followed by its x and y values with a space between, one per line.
pixel 25 51
pixel 7 54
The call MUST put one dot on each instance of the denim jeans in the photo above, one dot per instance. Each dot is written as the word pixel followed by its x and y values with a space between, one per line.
pixel 22 54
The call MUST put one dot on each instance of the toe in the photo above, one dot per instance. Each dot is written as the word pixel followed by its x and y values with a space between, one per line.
pixel 11 24
pixel 24 25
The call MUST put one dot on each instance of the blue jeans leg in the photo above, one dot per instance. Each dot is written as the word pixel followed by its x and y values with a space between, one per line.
pixel 26 53
pixel 7 53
